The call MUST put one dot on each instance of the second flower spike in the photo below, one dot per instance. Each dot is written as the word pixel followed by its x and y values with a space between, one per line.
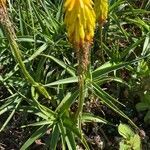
pixel 101 10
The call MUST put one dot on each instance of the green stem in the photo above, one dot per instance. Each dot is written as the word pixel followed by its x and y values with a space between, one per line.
pixel 101 42
pixel 7 25
pixel 78 114
pixel 83 63
pixel 81 96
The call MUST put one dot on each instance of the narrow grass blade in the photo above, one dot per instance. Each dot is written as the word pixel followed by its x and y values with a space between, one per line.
pixel 33 110
pixel 9 105
pixel 11 115
pixel 62 64
pixel 38 52
pixel 146 46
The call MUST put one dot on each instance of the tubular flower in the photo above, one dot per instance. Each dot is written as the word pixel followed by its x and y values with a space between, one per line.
pixel 2 2
pixel 101 10
pixel 3 11
pixel 80 21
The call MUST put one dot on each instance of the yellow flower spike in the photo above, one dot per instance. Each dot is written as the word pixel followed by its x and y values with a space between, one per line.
pixel 3 11
pixel 101 10
pixel 2 4
pixel 80 21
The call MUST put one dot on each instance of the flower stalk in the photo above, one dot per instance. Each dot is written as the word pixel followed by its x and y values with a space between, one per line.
pixel 11 36
pixel 101 10
pixel 80 23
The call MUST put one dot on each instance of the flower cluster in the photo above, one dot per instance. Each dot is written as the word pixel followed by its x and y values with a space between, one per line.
pixel 80 21
pixel 2 2
pixel 80 17
pixel 3 11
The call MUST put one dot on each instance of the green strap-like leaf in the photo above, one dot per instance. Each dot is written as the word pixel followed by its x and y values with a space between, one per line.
pixel 41 123
pixel 38 52
pixel 107 95
pixel 63 81
pixel 54 138
pixel 109 67
pixel 70 125
pixel 105 79
pixel 37 134
pixel 70 140
pixel 88 117
pixel 66 102
pixel 63 133
pixel 104 97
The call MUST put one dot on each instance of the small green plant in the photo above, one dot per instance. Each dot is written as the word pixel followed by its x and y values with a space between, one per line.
pixel 143 73
pixel 131 140
pixel 144 105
